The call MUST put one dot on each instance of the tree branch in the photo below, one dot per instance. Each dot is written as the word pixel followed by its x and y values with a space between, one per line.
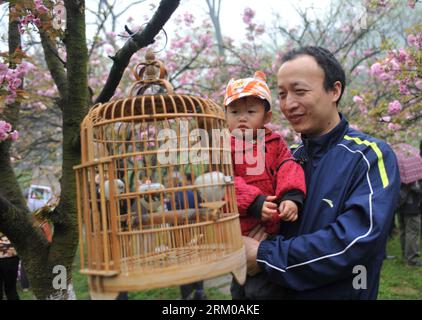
pixel 139 40
pixel 187 65
pixel 363 59
pixel 55 64
pixel 102 18
pixel 128 7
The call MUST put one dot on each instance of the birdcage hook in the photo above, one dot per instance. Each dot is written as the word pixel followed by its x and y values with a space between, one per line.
pixel 150 72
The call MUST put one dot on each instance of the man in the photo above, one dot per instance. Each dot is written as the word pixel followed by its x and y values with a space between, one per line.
pixel 410 222
pixel 336 248
pixel 9 263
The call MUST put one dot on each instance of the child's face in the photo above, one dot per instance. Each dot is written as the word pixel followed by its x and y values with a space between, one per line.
pixel 247 113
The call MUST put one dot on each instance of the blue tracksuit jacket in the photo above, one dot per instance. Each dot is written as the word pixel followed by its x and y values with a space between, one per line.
pixel 353 186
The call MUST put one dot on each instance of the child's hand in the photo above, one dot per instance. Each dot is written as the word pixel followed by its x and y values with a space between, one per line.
pixel 268 208
pixel 288 210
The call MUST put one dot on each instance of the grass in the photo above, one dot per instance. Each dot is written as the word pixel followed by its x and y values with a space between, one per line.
pixel 80 284
pixel 398 281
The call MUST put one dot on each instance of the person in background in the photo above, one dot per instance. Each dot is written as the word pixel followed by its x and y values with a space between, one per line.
pixel 409 213
pixel 9 262
pixel 410 220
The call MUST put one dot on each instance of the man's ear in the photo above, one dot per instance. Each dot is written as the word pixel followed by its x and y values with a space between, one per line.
pixel 268 116
pixel 336 91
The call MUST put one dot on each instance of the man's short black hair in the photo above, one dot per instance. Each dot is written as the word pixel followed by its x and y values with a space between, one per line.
pixel 333 71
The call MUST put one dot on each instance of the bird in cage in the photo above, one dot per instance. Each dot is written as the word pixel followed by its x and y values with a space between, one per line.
pixel 211 188
pixel 154 201
pixel 119 187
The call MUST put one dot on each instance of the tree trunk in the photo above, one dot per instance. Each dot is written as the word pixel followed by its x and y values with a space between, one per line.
pixel 15 222
pixel 214 13
pixel 75 106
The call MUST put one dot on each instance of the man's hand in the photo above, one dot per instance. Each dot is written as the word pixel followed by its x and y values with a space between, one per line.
pixel 251 247
pixel 269 208
pixel 251 243
pixel 288 210
pixel 258 233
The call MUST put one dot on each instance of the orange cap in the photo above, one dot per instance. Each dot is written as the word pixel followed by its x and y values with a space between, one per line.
pixel 256 87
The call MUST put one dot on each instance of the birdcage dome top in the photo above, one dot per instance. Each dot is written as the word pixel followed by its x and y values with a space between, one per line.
pixel 147 107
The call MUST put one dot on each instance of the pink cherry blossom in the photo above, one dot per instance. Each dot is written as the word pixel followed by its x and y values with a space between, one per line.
pixel 412 40
pixel 404 89
pixel 37 22
pixel 111 34
pixel 188 18
pixel 394 65
pixel 14 135
pixel 393 126
pixel 5 133
pixel 376 69
pixel 358 99
pixel 367 52
pixel 206 39
pixel 394 107
pixel 248 15
pixel 384 76
pixel 40 7
pixel 386 119
pixel 3 136
pixel 3 68
pixel 5 126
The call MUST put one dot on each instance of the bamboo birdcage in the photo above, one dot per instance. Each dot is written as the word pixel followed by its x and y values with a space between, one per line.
pixel 171 217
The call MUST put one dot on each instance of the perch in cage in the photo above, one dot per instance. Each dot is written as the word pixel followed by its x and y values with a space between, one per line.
pixel 156 200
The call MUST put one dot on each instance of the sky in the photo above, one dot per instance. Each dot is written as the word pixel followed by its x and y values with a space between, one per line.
pixel 230 19
pixel 231 12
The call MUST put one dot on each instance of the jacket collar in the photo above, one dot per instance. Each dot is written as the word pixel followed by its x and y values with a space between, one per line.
pixel 317 147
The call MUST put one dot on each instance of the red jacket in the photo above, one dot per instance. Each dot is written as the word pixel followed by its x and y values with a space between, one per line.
pixel 275 179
